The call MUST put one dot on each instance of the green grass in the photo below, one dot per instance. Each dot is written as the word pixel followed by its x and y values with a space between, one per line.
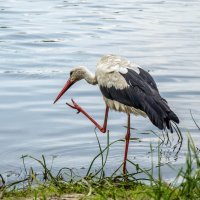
pixel 96 185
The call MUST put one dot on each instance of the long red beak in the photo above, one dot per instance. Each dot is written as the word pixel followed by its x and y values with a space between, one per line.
pixel 65 88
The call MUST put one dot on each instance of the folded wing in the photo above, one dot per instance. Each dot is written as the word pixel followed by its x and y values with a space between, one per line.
pixel 142 93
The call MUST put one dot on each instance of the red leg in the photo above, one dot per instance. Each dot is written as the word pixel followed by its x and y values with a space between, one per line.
pixel 127 138
pixel 79 109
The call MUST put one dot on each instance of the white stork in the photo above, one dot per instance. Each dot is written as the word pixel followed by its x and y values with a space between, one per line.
pixel 126 88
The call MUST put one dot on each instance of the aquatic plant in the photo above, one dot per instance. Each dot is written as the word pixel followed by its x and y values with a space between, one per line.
pixel 96 185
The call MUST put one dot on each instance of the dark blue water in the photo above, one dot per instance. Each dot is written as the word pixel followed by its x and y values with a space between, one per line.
pixel 40 41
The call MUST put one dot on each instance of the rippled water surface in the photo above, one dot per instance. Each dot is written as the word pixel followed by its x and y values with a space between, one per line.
pixel 40 41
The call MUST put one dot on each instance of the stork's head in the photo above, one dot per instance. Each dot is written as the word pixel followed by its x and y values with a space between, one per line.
pixel 76 74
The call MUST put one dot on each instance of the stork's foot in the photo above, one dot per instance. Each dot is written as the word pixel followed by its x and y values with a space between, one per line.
pixel 79 109
pixel 75 106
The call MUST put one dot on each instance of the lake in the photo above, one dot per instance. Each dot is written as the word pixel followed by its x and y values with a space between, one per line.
pixel 40 41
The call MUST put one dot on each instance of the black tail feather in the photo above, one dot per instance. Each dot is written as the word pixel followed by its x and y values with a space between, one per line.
pixel 160 114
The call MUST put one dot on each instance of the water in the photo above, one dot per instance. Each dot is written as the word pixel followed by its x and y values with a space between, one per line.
pixel 40 41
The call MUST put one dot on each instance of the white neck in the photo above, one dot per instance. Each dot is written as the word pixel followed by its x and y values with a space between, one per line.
pixel 90 77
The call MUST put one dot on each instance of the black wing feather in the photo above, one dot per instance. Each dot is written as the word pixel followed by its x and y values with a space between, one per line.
pixel 143 94
pixel 148 78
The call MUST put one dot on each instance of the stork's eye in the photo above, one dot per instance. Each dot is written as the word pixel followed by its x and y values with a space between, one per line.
pixel 71 73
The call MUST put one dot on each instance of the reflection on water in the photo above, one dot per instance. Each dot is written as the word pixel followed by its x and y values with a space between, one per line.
pixel 41 40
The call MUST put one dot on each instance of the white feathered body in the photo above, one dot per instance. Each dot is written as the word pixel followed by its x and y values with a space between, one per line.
pixel 108 74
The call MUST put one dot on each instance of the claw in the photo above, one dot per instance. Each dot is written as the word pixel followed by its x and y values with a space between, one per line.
pixel 70 105
pixel 75 106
